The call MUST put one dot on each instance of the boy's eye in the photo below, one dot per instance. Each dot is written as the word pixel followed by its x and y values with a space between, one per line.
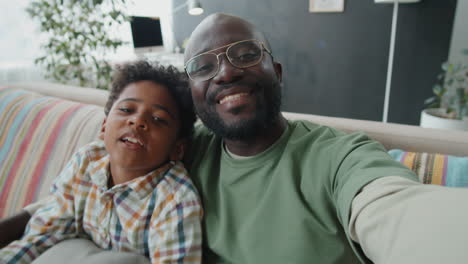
pixel 125 110
pixel 159 119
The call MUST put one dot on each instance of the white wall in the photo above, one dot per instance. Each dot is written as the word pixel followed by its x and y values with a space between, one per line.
pixel 20 37
pixel 18 33
pixel 460 33
pixel 19 43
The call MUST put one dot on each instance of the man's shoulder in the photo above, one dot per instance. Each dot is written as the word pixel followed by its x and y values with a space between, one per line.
pixel 203 139
pixel 319 133
pixel 201 131
pixel 326 144
pixel 89 161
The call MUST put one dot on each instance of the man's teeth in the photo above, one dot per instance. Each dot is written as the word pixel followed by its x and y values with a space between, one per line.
pixel 133 140
pixel 231 97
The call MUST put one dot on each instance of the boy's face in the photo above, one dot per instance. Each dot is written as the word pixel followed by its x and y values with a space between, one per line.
pixel 141 130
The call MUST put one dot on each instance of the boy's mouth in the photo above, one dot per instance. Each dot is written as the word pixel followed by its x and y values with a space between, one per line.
pixel 132 140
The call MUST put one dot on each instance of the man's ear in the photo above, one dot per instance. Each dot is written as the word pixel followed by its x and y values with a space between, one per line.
pixel 103 129
pixel 179 150
pixel 278 70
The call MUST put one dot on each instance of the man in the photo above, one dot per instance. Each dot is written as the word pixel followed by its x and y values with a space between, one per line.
pixel 279 191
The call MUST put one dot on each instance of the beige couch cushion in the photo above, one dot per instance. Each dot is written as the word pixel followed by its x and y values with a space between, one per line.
pixel 78 251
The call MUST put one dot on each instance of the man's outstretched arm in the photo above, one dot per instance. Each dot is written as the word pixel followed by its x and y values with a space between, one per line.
pixel 399 221
pixel 12 228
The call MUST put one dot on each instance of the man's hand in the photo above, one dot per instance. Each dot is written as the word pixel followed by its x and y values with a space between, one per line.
pixel 12 228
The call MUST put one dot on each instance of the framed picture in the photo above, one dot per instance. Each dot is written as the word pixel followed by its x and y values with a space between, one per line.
pixel 326 6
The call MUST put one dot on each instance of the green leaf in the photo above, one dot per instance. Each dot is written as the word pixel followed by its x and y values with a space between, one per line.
pixel 439 90
pixel 430 100
pixel 77 29
pixel 444 66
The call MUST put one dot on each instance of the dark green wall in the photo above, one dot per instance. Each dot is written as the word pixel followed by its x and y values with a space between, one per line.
pixel 336 63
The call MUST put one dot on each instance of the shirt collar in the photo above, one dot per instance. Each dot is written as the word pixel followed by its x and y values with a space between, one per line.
pixel 100 172
pixel 142 186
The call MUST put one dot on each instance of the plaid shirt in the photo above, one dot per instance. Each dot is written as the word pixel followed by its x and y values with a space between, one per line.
pixel 157 215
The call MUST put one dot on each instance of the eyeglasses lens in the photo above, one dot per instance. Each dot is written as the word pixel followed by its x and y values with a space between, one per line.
pixel 245 54
pixel 202 67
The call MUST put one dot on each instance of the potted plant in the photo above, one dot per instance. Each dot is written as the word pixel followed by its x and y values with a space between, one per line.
pixel 448 107
pixel 77 38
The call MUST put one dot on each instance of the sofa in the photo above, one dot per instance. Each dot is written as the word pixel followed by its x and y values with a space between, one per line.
pixel 43 124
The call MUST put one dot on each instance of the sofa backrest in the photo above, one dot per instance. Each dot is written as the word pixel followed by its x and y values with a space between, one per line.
pixel 42 125
pixel 392 136
pixel 38 135
pixel 399 136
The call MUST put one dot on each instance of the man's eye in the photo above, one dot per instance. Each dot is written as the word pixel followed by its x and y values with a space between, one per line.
pixel 247 57
pixel 204 68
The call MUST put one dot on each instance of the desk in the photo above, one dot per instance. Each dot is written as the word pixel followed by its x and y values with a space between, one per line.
pixel 165 58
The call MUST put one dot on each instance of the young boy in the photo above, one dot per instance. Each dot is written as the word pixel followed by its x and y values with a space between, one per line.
pixel 129 192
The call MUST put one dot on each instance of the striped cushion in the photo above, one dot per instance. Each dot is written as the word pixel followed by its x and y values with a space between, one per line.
pixel 38 135
pixel 435 168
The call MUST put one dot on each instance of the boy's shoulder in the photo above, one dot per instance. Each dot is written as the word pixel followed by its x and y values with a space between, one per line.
pixel 177 182
pixel 93 151
pixel 89 160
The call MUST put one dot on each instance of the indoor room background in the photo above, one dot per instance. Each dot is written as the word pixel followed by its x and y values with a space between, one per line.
pixel 335 64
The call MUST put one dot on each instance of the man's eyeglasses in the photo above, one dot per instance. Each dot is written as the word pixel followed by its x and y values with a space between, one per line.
pixel 241 54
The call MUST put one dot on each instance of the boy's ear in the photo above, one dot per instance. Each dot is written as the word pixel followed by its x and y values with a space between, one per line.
pixel 179 150
pixel 103 129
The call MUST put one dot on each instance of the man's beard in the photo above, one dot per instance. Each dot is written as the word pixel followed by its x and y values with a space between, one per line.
pixel 267 113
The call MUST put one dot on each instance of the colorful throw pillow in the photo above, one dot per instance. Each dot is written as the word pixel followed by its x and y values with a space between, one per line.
pixel 433 168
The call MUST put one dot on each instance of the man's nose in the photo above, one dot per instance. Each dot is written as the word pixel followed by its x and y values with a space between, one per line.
pixel 139 121
pixel 227 72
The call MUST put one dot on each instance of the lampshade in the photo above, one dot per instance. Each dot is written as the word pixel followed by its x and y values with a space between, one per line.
pixel 194 7
pixel 398 1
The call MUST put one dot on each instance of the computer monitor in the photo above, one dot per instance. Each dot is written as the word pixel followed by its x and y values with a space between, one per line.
pixel 146 34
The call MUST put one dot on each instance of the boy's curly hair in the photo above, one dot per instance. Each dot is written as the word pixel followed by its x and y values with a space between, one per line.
pixel 169 76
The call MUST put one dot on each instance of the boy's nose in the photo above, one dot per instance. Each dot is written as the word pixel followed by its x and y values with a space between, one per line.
pixel 138 121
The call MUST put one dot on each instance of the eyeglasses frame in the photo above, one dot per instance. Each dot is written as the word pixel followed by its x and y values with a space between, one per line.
pixel 264 48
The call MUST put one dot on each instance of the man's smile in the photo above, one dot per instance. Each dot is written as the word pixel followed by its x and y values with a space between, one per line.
pixel 233 103
pixel 232 97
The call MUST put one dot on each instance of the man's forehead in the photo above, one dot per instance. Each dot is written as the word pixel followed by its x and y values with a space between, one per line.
pixel 218 31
